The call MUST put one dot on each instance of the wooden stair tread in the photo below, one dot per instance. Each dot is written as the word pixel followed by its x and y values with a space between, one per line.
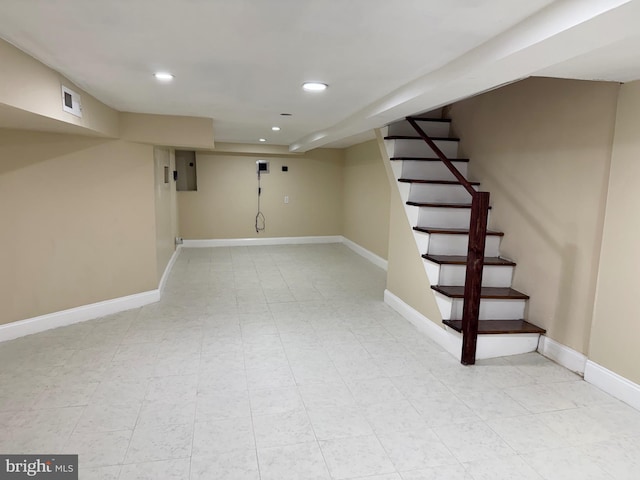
pixel 462 260
pixel 427 119
pixel 497 293
pixel 433 182
pixel 416 137
pixel 429 159
pixel 453 231
pixel 440 205
pixel 488 327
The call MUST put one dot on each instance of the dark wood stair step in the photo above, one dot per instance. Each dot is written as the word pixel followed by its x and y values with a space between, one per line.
pixel 440 205
pixel 416 137
pixel 498 326
pixel 427 119
pixel 429 159
pixel 496 293
pixel 433 182
pixel 453 231
pixel 462 260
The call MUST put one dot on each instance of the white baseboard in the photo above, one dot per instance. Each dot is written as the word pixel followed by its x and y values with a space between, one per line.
pixel 612 383
pixel 369 255
pixel 565 356
pixel 606 380
pixel 243 242
pixel 167 270
pixel 63 318
pixel 29 326
pixel 422 323
pixel 489 346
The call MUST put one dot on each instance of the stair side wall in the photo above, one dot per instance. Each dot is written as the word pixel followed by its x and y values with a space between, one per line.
pixel 542 147
pixel 406 276
pixel 616 324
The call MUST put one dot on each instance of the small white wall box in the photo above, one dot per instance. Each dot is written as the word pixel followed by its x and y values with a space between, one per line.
pixel 71 102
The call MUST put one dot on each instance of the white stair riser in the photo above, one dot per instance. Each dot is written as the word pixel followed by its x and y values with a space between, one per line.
pixel 493 346
pixel 421 192
pixel 459 245
pixel 419 148
pixel 492 275
pixel 397 168
pixel 405 191
pixel 433 129
pixel 430 170
pixel 389 145
pixel 440 217
pixel 412 214
pixel 422 241
pixel 490 309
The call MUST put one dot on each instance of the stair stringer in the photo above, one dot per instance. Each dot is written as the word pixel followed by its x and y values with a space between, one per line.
pixel 488 346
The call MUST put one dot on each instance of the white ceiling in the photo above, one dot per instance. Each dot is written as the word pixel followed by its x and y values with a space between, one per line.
pixel 242 62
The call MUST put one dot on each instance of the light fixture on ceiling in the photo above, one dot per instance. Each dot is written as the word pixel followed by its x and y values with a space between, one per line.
pixel 262 139
pixel 314 86
pixel 275 129
pixel 163 76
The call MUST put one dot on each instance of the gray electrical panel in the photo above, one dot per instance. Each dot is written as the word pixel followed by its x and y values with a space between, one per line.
pixel 186 169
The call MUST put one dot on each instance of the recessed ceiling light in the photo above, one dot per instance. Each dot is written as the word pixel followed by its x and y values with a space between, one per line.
pixel 263 139
pixel 314 86
pixel 163 76
pixel 275 129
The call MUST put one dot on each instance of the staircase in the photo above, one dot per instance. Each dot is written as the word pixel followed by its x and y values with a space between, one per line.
pixel 438 203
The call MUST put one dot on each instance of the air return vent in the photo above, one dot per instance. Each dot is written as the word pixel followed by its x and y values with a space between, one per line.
pixel 71 102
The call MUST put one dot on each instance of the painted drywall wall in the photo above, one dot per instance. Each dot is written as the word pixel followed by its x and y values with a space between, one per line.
pixel 616 322
pixel 170 130
pixel 406 276
pixel 30 86
pixel 165 207
pixel 365 211
pixel 77 222
pixel 542 147
pixel 225 204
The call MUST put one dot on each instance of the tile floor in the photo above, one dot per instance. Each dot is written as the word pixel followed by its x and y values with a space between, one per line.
pixel 280 363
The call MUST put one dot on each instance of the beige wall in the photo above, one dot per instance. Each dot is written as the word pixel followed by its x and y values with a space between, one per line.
pixel 165 207
pixel 77 222
pixel 542 148
pixel 406 276
pixel 225 204
pixel 365 210
pixel 31 86
pixel 616 323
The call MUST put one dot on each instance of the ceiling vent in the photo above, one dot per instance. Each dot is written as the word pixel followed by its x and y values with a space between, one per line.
pixel 71 102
